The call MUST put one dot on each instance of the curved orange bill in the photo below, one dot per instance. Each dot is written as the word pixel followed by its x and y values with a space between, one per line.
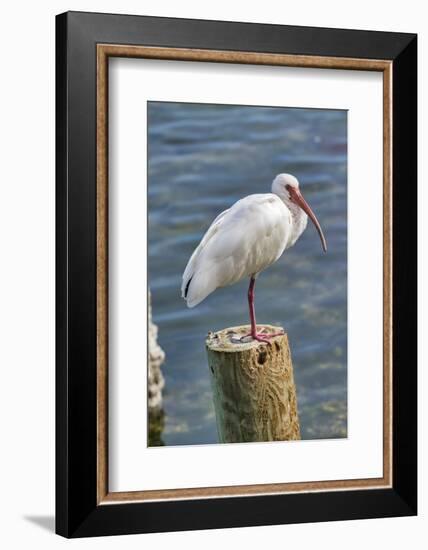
pixel 297 197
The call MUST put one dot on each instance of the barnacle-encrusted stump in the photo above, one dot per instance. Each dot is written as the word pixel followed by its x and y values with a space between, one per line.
pixel 156 380
pixel 253 386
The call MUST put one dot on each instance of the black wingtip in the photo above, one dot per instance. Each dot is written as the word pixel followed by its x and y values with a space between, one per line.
pixel 186 290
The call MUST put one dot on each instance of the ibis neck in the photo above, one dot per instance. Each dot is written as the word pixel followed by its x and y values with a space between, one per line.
pixel 299 221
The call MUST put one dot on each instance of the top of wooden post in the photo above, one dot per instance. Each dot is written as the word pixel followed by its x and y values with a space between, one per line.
pixel 229 339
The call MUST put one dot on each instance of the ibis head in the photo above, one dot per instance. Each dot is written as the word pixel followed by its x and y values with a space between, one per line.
pixel 286 187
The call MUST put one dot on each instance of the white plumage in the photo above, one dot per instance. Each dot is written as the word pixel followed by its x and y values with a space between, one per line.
pixel 247 238
pixel 242 241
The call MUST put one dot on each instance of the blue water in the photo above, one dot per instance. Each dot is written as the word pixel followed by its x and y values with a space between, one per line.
pixel 201 159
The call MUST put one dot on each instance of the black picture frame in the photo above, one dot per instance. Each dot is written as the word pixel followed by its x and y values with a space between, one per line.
pixel 77 511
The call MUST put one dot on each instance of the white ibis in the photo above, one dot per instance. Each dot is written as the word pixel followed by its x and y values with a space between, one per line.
pixel 246 239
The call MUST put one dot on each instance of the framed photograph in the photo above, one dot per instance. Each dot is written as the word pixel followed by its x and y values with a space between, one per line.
pixel 236 274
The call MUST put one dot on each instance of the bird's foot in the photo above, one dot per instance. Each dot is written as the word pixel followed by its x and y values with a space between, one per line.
pixel 263 337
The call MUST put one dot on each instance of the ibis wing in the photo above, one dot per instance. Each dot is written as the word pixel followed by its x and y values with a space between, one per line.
pixel 241 241
pixel 193 262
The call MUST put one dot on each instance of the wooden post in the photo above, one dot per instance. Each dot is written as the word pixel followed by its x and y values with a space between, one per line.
pixel 253 387
pixel 155 384
pixel 156 380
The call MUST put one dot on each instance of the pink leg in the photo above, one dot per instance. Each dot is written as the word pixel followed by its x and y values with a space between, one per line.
pixel 254 334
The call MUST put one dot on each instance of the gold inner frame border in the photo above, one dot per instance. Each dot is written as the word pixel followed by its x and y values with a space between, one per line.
pixel 104 52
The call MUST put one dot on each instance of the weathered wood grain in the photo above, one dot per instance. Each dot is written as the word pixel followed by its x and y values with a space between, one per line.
pixel 253 387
